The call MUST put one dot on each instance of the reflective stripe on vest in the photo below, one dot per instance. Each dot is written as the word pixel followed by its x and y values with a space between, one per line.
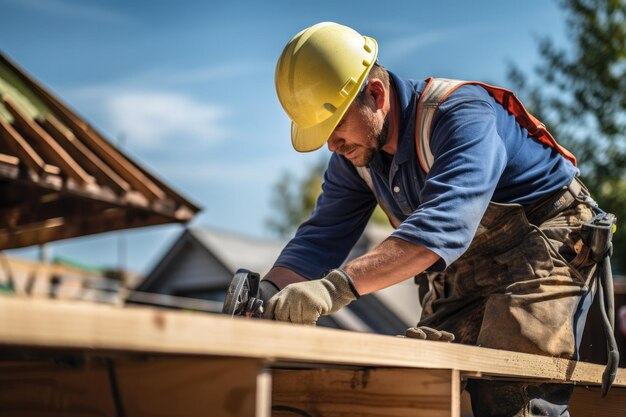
pixel 366 174
pixel 438 89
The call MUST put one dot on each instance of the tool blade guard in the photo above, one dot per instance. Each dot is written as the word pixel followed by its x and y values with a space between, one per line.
pixel 241 295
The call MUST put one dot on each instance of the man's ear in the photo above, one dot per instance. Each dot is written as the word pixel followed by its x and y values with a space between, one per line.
pixel 377 93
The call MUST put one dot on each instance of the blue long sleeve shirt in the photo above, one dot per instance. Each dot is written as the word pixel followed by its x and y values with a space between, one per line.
pixel 481 154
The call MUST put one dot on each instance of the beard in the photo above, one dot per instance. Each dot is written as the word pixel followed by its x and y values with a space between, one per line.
pixel 376 140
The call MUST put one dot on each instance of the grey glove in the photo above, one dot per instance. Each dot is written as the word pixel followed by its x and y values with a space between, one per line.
pixel 428 333
pixel 305 302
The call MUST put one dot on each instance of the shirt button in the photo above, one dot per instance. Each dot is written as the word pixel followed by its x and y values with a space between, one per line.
pixel 396 189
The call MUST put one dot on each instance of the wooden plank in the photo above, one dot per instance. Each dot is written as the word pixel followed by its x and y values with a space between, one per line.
pixel 181 387
pixel 117 161
pixel 9 160
pixel 263 393
pixel 61 228
pixel 9 166
pixel 36 208
pixel 188 387
pixel 18 145
pixel 456 389
pixel 80 152
pixel 53 151
pixel 29 389
pixel 366 392
pixel 96 327
pixel 588 402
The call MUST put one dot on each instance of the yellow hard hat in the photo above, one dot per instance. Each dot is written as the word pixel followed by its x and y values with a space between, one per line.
pixel 318 75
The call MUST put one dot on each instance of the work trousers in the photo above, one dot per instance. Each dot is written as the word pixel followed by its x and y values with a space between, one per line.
pixel 515 289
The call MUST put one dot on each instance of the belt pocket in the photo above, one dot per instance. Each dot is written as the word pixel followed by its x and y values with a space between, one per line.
pixel 529 260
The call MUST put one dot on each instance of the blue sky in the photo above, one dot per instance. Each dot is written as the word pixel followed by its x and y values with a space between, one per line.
pixel 186 88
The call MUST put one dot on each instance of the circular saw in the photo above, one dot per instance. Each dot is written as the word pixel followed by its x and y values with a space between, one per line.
pixel 241 297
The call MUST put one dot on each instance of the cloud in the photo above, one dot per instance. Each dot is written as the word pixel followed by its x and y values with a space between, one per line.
pixel 131 107
pixel 149 118
pixel 71 9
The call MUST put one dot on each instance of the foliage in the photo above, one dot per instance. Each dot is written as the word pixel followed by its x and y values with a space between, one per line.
pixel 580 94
pixel 294 200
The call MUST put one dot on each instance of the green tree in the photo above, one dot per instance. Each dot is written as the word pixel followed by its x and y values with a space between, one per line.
pixel 294 200
pixel 579 92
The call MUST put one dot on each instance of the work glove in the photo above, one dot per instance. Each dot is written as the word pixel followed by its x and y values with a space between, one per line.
pixel 428 333
pixel 305 302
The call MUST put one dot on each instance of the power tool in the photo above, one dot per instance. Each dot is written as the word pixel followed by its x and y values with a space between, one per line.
pixel 241 298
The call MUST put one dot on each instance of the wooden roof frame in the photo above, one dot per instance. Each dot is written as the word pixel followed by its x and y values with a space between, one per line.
pixel 60 178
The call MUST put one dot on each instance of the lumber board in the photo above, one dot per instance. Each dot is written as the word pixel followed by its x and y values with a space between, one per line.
pixel 587 402
pixel 191 387
pixel 128 171
pixel 48 145
pixel 29 389
pixel 164 387
pixel 80 152
pixel 58 228
pixel 9 160
pixel 57 324
pixel 367 392
pixel 9 166
pixel 18 145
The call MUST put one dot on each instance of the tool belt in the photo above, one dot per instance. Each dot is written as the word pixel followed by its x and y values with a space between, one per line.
pixel 597 248
pixel 556 202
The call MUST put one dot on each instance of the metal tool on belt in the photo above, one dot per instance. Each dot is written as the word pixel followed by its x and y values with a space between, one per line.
pixel 597 235
pixel 241 295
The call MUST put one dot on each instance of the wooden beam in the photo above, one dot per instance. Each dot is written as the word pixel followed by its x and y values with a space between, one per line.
pixel 80 152
pixel 38 207
pixel 117 161
pixel 588 402
pixel 263 393
pixel 9 166
pixel 164 387
pixel 188 387
pixel 9 160
pixel 54 152
pixel 95 327
pixel 20 147
pixel 45 389
pixel 63 228
pixel 367 392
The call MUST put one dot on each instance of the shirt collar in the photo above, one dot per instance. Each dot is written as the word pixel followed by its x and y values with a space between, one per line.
pixel 407 93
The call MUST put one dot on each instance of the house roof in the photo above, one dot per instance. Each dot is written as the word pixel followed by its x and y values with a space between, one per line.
pixel 238 251
pixel 61 178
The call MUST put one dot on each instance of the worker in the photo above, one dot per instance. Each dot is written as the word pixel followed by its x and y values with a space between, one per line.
pixel 487 210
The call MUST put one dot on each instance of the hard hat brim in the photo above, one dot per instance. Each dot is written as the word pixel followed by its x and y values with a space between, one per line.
pixel 312 138
pixel 307 139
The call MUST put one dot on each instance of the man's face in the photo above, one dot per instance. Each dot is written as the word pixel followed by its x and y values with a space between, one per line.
pixel 360 135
